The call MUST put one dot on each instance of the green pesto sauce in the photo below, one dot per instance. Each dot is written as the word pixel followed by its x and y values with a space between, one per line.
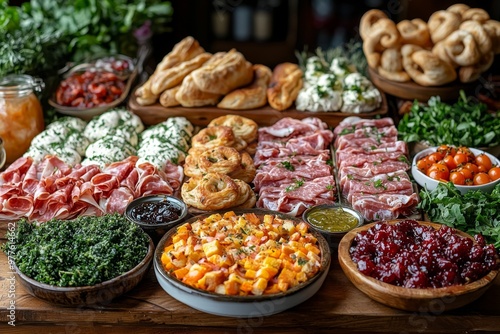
pixel 332 219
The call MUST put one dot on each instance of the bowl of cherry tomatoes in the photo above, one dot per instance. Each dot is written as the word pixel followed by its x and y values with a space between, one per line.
pixel 467 168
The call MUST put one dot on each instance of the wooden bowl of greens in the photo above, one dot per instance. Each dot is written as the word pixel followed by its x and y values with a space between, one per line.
pixel 85 261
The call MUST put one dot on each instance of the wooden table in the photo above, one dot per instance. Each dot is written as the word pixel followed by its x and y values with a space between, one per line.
pixel 337 307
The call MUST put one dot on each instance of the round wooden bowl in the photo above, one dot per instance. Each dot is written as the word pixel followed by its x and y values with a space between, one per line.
pixel 98 294
pixel 442 299
pixel 411 90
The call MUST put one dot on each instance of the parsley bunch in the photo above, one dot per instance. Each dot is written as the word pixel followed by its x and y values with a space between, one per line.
pixel 81 252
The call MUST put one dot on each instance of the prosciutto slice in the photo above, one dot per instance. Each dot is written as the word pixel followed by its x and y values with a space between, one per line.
pixel 385 206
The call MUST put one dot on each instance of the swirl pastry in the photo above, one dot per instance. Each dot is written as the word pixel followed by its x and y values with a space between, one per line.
pixel 458 8
pixel 384 34
pixel 476 14
pixel 284 86
pixel 492 27
pixel 473 72
pixel 442 23
pixel 425 68
pixel 213 136
pixel 212 191
pixel 243 127
pixel 221 159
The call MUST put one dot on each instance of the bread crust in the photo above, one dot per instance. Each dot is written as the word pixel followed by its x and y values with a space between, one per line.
pixel 167 98
pixel 225 74
pixel 251 96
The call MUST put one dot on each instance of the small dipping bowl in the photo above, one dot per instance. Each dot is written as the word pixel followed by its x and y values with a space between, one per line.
pixel 156 214
pixel 333 221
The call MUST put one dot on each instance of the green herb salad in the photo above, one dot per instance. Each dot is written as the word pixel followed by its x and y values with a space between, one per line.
pixel 80 252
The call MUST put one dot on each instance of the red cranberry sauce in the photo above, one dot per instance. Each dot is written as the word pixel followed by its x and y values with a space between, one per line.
pixel 411 255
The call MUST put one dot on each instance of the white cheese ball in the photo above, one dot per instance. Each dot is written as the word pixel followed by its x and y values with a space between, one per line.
pixel 314 69
pixel 78 142
pixel 341 67
pixel 36 153
pixel 54 135
pixel 68 155
pixel 357 82
pixel 329 81
pixel 185 127
pixel 164 150
pixel 74 123
pixel 110 149
pixel 359 102
pixel 318 98
pixel 100 126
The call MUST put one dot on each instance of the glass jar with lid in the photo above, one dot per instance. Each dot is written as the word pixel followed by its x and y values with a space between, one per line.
pixel 21 114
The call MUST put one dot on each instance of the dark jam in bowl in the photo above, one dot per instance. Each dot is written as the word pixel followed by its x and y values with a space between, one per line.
pixel 156 212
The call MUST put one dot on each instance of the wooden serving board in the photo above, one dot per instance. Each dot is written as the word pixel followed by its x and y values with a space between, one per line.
pixel 264 116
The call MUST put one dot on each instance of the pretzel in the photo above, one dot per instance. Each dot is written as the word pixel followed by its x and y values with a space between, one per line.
pixel 425 68
pixel 391 66
pixel 442 23
pixel 462 48
pixel 414 32
pixel 368 20
pixel 384 34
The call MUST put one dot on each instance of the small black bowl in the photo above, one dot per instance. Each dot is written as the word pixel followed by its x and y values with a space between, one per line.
pixel 158 229
pixel 333 238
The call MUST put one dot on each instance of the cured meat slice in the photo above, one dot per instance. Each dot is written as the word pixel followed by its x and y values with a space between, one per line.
pixel 174 174
pixel 14 174
pixel 121 169
pixel 381 183
pixel 369 148
pixel 287 128
pixel 276 172
pixel 118 201
pixel 104 184
pixel 349 124
pixel 385 206
pixel 377 134
pixel 371 169
pixel 16 207
pixel 362 159
pixel 293 199
pixel 345 142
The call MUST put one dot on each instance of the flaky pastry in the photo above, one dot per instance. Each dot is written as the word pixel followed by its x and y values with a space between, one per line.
pixel 212 191
pixel 221 159
pixel 186 49
pixel 284 86
pixel 492 27
pixel 458 8
pixel 213 136
pixel 473 72
pixel 190 95
pixel 476 14
pixel 246 170
pixel 482 38
pixel 243 127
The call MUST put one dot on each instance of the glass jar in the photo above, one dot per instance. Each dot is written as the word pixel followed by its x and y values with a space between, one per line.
pixel 21 114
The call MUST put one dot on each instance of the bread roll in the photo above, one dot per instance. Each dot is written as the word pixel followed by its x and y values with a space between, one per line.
pixel 285 85
pixel 190 95
pixel 252 96
pixel 368 20
pixel 458 8
pixel 383 35
pixel 167 98
pixel 414 32
pixel 225 74
pixel 473 72
pixel 186 49
pixel 442 23
pixel 173 76
pixel 492 27
pixel 462 48
pixel 482 38
pixel 143 94
pixel 391 66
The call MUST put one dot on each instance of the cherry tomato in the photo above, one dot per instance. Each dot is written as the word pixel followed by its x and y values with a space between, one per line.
pixel 457 178
pixel 482 169
pixel 423 165
pixel 443 149
pixel 472 167
pixel 481 178
pixel 460 159
pixel 450 162
pixel 483 159
pixel 465 150
pixel 466 173
pixel 439 175
pixel 435 157
pixel 494 173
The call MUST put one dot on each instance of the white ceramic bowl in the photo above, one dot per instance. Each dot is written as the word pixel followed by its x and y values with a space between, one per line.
pixel 241 306
pixel 430 184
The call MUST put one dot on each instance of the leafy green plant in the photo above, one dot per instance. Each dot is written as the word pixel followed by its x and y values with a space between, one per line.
pixel 474 212
pixel 44 34
pixel 465 122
